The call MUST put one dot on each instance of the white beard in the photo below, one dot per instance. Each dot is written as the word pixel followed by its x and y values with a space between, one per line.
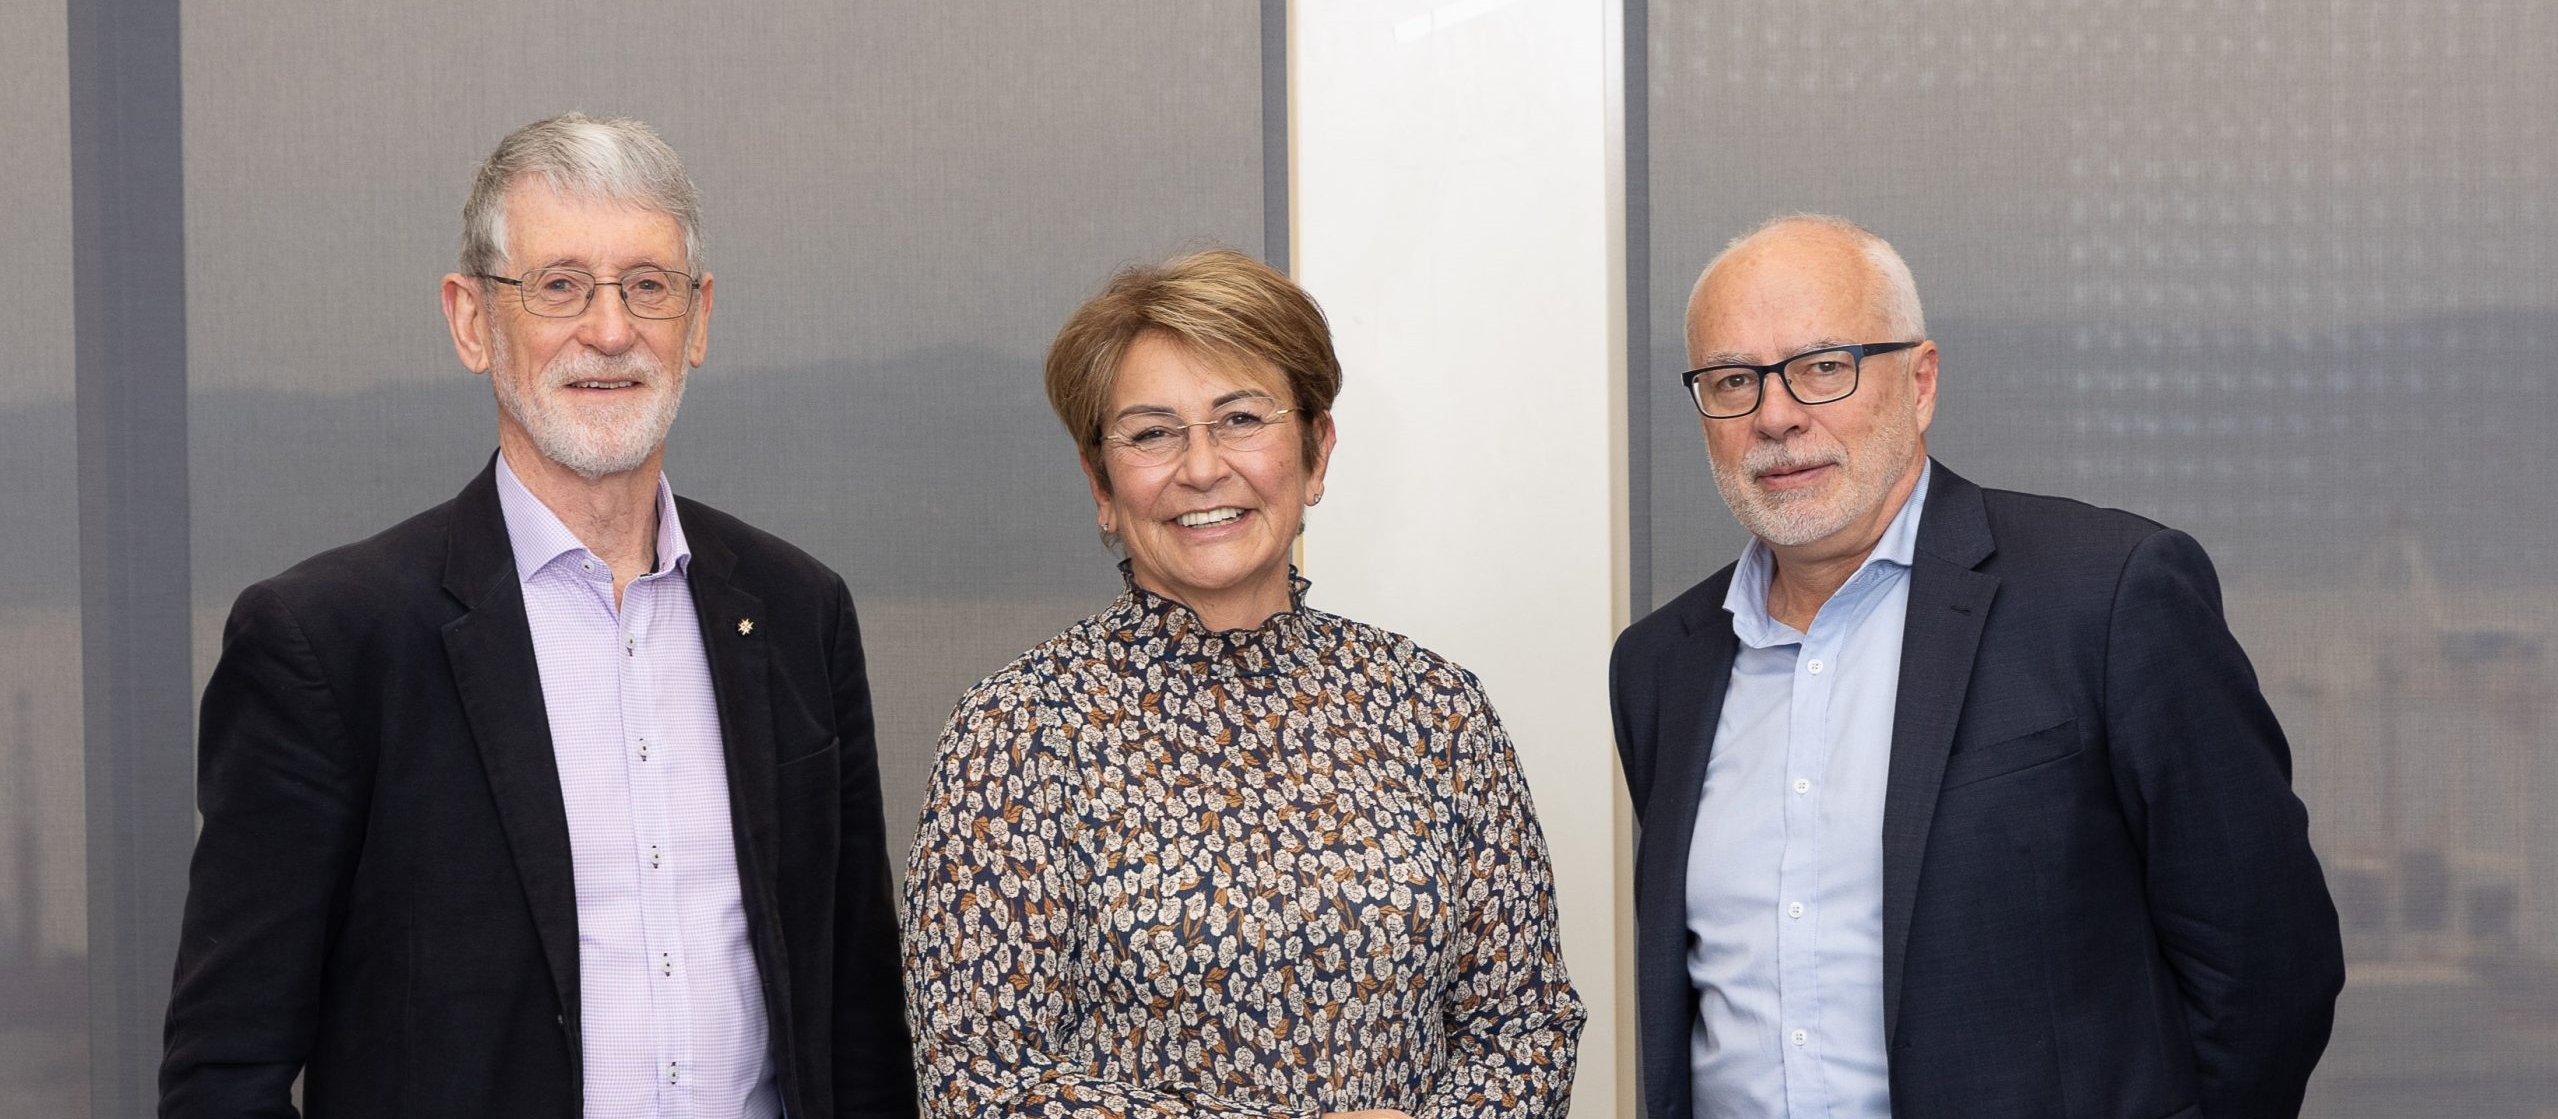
pixel 591 442
pixel 1790 518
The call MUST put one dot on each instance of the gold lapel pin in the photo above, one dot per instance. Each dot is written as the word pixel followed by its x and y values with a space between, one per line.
pixel 745 626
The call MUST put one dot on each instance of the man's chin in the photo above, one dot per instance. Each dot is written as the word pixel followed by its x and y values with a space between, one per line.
pixel 593 460
pixel 1787 524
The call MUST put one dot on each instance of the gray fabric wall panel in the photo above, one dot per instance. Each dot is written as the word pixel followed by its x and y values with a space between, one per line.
pixel 44 1013
pixel 2284 275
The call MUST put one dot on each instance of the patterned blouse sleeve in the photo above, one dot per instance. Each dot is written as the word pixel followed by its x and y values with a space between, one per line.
pixel 993 919
pixel 1513 1020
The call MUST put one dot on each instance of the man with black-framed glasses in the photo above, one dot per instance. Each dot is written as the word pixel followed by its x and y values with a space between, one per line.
pixel 1955 802
pixel 561 797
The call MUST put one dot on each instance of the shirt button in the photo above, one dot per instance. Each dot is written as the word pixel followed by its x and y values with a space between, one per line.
pixel 1794 909
pixel 1802 1037
pixel 1802 785
pixel 1815 667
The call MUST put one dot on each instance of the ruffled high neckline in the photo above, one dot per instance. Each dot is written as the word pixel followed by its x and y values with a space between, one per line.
pixel 1143 617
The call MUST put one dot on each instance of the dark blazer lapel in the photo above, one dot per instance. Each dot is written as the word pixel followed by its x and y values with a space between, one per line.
pixel 1949 603
pixel 1691 682
pixel 728 615
pixel 500 682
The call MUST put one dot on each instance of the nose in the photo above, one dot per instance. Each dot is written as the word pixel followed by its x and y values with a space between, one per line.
pixel 607 326
pixel 1779 413
pixel 1203 462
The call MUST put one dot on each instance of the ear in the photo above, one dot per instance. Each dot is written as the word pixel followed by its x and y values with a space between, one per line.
pixel 1325 434
pixel 1923 384
pixel 1100 493
pixel 698 345
pixel 469 318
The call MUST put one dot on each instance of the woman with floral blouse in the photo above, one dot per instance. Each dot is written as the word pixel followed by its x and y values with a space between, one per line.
pixel 1211 852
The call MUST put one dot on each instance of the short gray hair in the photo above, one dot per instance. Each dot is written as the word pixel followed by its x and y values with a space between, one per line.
pixel 613 159
pixel 1898 292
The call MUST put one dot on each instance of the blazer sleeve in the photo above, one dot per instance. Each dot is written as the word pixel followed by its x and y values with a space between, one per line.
pixel 1513 1021
pixel 993 920
pixel 1630 708
pixel 283 796
pixel 874 1067
pixel 2240 907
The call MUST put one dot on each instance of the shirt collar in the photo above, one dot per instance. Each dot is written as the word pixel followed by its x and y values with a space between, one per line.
pixel 540 538
pixel 1747 599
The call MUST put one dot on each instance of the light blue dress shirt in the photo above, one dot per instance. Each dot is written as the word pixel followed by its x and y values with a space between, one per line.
pixel 1785 868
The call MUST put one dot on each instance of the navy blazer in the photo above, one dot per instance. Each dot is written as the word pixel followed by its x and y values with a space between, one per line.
pixel 2098 893
pixel 382 898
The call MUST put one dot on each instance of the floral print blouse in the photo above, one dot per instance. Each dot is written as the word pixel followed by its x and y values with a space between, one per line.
pixel 1169 871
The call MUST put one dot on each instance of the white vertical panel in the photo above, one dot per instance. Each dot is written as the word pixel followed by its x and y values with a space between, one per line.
pixel 1457 216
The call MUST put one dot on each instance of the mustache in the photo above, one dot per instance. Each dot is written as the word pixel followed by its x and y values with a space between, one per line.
pixel 1770 458
pixel 587 365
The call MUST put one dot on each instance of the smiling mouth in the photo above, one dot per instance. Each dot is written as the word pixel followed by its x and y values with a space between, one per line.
pixel 602 384
pixel 1206 517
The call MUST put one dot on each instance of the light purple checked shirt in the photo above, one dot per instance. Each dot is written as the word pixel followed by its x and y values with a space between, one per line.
pixel 672 1013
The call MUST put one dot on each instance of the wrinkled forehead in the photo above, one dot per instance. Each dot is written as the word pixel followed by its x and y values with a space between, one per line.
pixel 1762 303
pixel 1160 367
pixel 544 222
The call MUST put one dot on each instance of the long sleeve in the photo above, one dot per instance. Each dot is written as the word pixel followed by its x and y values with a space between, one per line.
pixel 2234 890
pixel 1513 1021
pixel 874 1071
pixel 284 805
pixel 994 918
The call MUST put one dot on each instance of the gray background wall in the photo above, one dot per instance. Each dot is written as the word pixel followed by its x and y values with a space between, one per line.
pixel 904 200
pixel 43 848
pixel 2283 274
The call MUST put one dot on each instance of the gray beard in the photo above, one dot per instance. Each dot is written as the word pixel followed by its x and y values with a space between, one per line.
pixel 618 441
pixel 1789 520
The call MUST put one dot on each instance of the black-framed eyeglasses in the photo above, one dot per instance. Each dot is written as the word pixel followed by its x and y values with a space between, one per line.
pixel 1154 442
pixel 1729 392
pixel 565 293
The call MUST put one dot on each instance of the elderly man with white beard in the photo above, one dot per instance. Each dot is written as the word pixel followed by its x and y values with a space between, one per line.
pixel 560 797
pixel 1955 801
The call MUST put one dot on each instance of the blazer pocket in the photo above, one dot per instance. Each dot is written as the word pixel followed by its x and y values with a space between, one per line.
pixel 800 756
pixel 1998 759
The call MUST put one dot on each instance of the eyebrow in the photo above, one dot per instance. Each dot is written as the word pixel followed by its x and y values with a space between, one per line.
pixel 1735 357
pixel 1168 410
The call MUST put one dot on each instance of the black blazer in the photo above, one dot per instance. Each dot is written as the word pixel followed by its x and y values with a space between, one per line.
pixel 382 898
pixel 2098 893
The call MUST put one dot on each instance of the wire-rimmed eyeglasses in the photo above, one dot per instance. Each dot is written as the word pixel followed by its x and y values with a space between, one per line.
pixel 565 293
pixel 1153 441
pixel 1729 392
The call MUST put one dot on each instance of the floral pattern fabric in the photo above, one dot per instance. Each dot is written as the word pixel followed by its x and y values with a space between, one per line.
pixel 1169 871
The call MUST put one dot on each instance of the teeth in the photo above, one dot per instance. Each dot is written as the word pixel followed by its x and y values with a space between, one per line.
pixel 603 384
pixel 1209 517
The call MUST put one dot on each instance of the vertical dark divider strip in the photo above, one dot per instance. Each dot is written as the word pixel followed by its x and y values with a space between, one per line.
pixel 1275 231
pixel 1639 373
pixel 129 299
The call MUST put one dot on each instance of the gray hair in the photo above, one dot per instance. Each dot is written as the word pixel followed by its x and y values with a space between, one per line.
pixel 613 159
pixel 1897 292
